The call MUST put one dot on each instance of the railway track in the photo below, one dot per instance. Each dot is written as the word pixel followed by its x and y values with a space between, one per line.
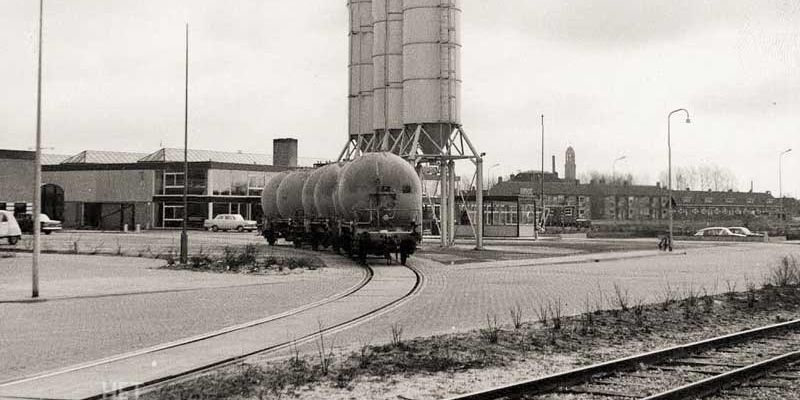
pixel 153 386
pixel 137 388
pixel 769 356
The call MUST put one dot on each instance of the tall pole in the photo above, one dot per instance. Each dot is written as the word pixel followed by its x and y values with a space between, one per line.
pixel 479 203
pixel 184 234
pixel 542 175
pixel 780 179
pixel 669 169
pixel 37 169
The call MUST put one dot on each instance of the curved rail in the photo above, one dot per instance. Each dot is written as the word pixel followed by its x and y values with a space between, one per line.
pixel 368 275
pixel 156 384
pixel 553 382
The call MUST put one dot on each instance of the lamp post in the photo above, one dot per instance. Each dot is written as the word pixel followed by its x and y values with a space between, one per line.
pixel 780 178
pixel 37 171
pixel 669 166
pixel 184 234
pixel 614 166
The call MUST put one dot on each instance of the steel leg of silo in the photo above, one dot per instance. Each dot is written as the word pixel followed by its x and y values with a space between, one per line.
pixel 443 192
pixel 451 195
pixel 479 205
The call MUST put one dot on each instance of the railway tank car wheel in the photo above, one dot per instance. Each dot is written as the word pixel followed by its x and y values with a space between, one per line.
pixel 271 241
pixel 297 243
pixel 403 258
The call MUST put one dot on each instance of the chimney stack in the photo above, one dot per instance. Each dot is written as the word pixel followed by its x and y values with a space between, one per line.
pixel 284 152
pixel 554 164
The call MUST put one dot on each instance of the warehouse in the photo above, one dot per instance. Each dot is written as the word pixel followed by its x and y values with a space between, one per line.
pixel 116 190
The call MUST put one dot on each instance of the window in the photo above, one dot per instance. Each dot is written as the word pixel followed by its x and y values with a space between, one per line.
pixel 686 200
pixel 173 183
pixel 708 200
pixel 255 184
pixel 3 218
pixel 750 200
pixel 173 213
pixel 729 200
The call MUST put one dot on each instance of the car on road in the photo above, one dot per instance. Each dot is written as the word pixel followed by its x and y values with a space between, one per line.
pixel 230 222
pixel 48 225
pixel 744 231
pixel 9 228
pixel 717 231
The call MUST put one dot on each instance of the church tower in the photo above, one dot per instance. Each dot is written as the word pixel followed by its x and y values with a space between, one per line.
pixel 569 165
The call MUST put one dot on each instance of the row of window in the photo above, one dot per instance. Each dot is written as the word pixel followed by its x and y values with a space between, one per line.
pixel 212 182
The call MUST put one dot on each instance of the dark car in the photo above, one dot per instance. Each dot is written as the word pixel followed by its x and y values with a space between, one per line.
pixel 48 225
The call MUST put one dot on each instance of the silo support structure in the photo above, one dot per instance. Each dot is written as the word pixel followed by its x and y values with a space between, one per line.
pixel 444 204
pixel 451 196
pixel 479 203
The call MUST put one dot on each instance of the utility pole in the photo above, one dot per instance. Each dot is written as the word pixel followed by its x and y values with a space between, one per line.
pixel 184 234
pixel 37 173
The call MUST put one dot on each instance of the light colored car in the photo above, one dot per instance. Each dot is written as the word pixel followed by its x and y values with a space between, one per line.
pixel 230 222
pixel 743 231
pixel 9 228
pixel 47 225
pixel 717 231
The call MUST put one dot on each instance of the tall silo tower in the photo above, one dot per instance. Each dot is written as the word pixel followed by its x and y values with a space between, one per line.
pixel 405 57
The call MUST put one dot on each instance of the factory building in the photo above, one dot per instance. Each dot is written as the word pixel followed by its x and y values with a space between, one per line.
pixel 111 190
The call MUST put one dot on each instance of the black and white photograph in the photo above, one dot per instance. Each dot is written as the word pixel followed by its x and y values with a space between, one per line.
pixel 400 199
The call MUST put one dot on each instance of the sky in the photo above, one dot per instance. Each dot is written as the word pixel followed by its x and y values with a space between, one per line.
pixel 604 73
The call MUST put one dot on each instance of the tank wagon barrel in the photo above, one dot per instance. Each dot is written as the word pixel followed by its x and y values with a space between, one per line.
pixel 372 205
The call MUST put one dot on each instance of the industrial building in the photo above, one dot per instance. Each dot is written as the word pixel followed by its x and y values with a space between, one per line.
pixel 513 206
pixel 111 190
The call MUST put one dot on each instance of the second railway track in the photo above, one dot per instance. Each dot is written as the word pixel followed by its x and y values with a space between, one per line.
pixel 770 355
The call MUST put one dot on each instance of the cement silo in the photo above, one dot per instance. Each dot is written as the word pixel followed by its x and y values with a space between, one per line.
pixel 366 70
pixel 354 68
pixel 388 66
pixel 431 67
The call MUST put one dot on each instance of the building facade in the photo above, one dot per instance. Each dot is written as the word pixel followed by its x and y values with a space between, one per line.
pixel 114 190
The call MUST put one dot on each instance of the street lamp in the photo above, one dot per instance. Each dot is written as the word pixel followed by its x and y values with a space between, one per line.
pixel 780 178
pixel 614 166
pixel 669 166
pixel 184 235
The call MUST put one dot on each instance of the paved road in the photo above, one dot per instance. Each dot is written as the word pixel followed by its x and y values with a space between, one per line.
pixel 101 306
pixel 388 285
pixel 459 297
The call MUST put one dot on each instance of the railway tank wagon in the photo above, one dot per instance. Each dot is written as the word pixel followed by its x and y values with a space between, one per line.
pixel 290 205
pixel 380 197
pixel 274 226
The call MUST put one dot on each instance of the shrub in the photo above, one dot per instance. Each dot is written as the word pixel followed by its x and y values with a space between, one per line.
pixel 787 273
pixel 492 331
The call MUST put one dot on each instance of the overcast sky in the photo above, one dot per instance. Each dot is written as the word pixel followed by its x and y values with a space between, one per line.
pixel 604 73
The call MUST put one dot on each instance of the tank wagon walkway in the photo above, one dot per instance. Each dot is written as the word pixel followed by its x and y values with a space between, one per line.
pixel 380 289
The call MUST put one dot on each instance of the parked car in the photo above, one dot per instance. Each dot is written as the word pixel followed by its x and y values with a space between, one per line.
pixel 48 225
pixel 9 228
pixel 230 222
pixel 744 231
pixel 717 231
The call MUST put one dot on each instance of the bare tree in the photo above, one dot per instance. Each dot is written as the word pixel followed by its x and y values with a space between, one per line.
pixel 606 178
pixel 703 177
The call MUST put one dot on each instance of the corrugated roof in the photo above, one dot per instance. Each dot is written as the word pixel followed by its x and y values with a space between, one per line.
pixel 53 159
pixel 176 155
pixel 103 157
